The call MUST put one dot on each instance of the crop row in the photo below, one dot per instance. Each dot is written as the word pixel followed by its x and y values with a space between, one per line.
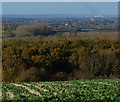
pixel 107 90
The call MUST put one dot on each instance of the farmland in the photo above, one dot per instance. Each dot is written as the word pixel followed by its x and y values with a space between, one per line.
pixel 51 52
pixel 95 90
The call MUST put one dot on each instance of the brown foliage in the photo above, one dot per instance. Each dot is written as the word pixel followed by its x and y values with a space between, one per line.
pixel 60 60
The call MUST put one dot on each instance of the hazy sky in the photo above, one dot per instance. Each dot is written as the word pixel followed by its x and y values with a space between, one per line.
pixel 60 0
pixel 73 8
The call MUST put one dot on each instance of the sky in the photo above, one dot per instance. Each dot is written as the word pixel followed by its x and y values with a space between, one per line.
pixel 60 0
pixel 72 8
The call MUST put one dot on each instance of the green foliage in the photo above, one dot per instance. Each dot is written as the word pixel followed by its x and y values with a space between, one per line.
pixel 97 90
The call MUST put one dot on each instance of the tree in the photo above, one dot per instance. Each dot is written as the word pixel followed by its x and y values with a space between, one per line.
pixel 33 30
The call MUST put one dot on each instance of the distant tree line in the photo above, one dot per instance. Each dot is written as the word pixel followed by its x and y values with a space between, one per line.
pixel 25 30
pixel 59 60
pixel 27 27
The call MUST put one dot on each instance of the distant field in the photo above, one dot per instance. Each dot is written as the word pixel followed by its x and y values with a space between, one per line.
pixel 86 35
pixel 80 35
pixel 97 90
pixel 105 35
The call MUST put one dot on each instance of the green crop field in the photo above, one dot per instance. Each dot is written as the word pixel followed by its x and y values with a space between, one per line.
pixel 96 90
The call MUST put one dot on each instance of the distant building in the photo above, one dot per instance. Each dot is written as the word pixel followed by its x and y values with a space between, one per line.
pixel 66 24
